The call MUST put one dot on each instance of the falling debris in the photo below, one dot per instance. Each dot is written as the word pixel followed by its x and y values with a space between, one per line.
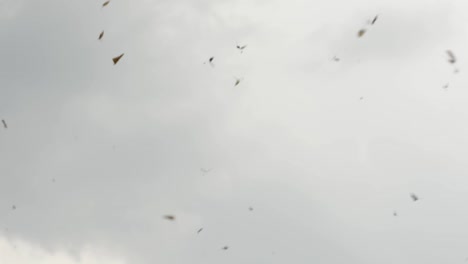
pixel 374 20
pixel 361 98
pixel 361 32
pixel 116 59
pixel 199 230
pixel 225 248
pixel 452 59
pixel 336 59
pixel 446 86
pixel 414 197
pixel 53 180
pixel 238 80
pixel 4 124
pixel 250 209
pixel 105 3
pixel 395 213
pixel 169 217
pixel 13 207
pixel 210 61
pixel 101 35
pixel 241 48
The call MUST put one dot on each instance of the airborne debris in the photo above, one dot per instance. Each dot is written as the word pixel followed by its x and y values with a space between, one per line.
pixel 4 124
pixel 335 58
pixel 199 230
pixel 105 3
pixel 13 207
pixel 225 248
pixel 238 80
pixel 374 20
pixel 395 213
pixel 241 48
pixel 210 61
pixel 452 59
pixel 251 208
pixel 414 197
pixel 169 217
pixel 116 59
pixel 361 32
pixel 101 35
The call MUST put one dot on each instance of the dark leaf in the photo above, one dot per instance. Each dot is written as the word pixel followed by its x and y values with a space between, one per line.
pixel 361 33
pixel 452 59
pixel 116 59
pixel 169 217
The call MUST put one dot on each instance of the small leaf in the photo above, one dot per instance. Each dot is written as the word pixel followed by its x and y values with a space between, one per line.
pixel 116 59
pixel 361 33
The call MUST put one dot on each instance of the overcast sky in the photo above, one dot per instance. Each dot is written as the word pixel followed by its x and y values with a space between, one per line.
pixel 324 151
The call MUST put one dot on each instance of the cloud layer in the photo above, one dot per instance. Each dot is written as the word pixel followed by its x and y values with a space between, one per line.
pixel 96 154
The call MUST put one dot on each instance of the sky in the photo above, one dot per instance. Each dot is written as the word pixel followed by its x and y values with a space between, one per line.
pixel 325 152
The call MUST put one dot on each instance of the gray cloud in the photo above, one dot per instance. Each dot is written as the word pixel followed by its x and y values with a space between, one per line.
pixel 95 154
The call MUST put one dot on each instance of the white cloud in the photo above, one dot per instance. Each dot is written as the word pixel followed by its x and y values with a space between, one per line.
pixel 22 252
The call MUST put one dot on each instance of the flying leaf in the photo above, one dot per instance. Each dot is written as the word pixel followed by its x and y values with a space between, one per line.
pixel 116 59
pixel 361 33
pixel 414 197
pixel 452 58
pixel 169 217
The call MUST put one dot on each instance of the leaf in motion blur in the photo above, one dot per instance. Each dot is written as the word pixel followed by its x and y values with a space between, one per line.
pixel 452 59
pixel 361 33
pixel 238 80
pixel 169 217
